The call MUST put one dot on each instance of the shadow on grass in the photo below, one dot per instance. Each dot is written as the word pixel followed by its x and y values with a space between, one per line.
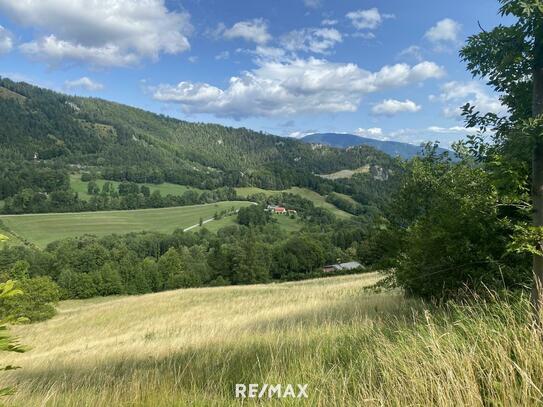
pixel 291 349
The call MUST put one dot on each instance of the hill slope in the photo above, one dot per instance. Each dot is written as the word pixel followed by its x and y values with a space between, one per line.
pixel 351 347
pixel 340 140
pixel 127 142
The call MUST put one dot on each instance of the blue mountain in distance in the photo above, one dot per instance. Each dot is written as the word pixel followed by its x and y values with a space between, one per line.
pixel 392 148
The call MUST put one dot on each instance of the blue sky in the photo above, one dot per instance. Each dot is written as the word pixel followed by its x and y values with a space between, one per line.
pixel 384 69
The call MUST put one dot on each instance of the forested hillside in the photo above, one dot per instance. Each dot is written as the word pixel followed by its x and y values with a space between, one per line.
pixel 135 145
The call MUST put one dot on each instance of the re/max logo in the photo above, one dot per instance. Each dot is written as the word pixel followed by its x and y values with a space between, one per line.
pixel 253 391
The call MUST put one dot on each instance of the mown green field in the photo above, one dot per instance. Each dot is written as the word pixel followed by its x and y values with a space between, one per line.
pixel 317 199
pixel 165 189
pixel 42 229
pixel 351 346
pixel 346 173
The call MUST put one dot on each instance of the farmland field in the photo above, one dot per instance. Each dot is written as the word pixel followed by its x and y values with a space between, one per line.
pixel 42 229
pixel 351 346
pixel 317 199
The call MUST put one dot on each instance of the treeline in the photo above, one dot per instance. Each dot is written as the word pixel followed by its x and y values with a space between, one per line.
pixel 255 251
pixel 346 204
pixel 126 195
pixel 17 175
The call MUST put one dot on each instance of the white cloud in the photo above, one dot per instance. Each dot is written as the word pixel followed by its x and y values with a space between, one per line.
pixel 313 3
pixel 222 55
pixel 445 33
pixel 417 136
pixel 298 86
pixel 255 30
pixel 451 130
pixel 329 22
pixel 264 53
pixel 413 51
pixel 101 32
pixel 368 19
pixel 6 40
pixel 193 59
pixel 364 35
pixel 317 40
pixel 54 50
pixel 85 83
pixel 456 94
pixel 300 134
pixel 373 132
pixel 391 107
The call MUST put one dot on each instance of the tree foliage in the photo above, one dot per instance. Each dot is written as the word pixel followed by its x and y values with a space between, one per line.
pixel 7 342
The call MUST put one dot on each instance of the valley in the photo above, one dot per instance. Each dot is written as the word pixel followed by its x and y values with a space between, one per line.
pixel 153 258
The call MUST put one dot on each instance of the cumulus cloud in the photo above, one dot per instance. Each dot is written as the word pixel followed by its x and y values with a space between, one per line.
pixel 84 83
pixel 255 30
pixel 445 33
pixel 6 40
pixel 316 40
pixel 456 94
pixel 101 32
pixel 391 107
pixel 299 86
pixel 368 19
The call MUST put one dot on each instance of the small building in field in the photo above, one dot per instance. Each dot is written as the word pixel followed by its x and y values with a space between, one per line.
pixel 349 266
pixel 279 210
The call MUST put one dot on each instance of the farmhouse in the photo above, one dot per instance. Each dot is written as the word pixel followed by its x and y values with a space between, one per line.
pixel 352 265
pixel 280 210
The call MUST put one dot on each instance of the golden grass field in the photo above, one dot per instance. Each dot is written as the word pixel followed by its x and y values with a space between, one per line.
pixel 352 346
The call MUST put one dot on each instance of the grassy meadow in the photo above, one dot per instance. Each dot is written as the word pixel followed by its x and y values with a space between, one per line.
pixel 317 199
pixel 42 229
pixel 346 173
pixel 165 189
pixel 351 346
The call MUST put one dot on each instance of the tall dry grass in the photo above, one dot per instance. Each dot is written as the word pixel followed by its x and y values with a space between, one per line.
pixel 351 346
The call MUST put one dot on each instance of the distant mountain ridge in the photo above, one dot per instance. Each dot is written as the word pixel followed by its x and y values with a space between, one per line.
pixel 340 140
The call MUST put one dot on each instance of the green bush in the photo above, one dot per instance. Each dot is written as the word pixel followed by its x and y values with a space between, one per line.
pixel 450 232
